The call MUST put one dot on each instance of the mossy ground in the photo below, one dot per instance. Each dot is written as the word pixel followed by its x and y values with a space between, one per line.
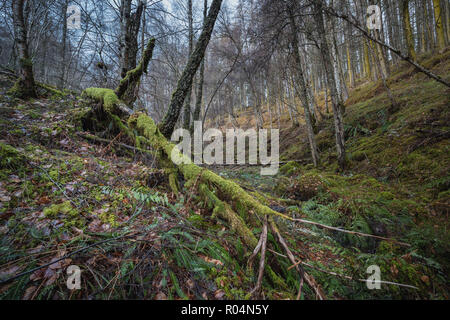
pixel 60 193
pixel 396 185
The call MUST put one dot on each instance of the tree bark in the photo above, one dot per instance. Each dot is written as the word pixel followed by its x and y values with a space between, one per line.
pixel 199 95
pixel 185 83
pixel 438 24
pixel 408 33
pixel 132 77
pixel 331 81
pixel 25 86
pixel 64 41
pixel 130 24
pixel 187 101
pixel 302 90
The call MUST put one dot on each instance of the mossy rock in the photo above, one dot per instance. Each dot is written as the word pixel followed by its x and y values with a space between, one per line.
pixel 18 90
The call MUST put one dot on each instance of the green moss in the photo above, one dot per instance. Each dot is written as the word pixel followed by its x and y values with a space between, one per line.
pixel 385 195
pixel 107 96
pixel 109 218
pixel 64 208
pixel 290 168
pixel 52 90
pixel 17 90
pixel 229 189
pixel 358 156
pixel 10 157
pixel 64 211
pixel 26 62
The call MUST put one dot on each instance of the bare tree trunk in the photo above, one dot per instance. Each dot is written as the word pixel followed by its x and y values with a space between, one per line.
pixel 199 98
pixel 64 45
pixel 351 71
pixel 408 33
pixel 438 24
pixel 394 105
pixel 257 107
pixel 130 24
pixel 389 17
pixel 335 97
pixel 25 86
pixel 187 101
pixel 185 83
pixel 302 91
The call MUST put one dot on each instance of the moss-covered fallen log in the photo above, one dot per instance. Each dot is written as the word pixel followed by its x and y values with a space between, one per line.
pixel 223 195
pixel 229 191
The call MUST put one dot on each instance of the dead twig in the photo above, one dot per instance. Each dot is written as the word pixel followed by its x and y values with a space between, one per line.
pixel 350 278
pixel 324 226
pixel 111 143
pixel 64 257
pixel 309 279
pixel 257 290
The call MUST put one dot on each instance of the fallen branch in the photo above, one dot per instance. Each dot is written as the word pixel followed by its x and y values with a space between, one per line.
pixel 262 261
pixel 303 275
pixel 324 226
pixel 350 278
pixel 122 145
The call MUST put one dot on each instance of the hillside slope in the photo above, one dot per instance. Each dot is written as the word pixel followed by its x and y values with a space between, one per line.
pixel 397 179
pixel 94 200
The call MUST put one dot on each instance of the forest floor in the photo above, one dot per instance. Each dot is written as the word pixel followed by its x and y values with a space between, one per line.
pixel 67 198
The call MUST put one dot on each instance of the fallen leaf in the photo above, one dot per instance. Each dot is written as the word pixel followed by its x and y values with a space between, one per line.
pixel 219 294
pixel 425 279
pixel 43 200
pixel 214 261
pixel 160 296
pixel 29 292
pixel 9 272
pixel 56 265
pixel 5 198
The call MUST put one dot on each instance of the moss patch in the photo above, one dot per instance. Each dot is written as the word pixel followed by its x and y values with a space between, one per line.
pixel 10 158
